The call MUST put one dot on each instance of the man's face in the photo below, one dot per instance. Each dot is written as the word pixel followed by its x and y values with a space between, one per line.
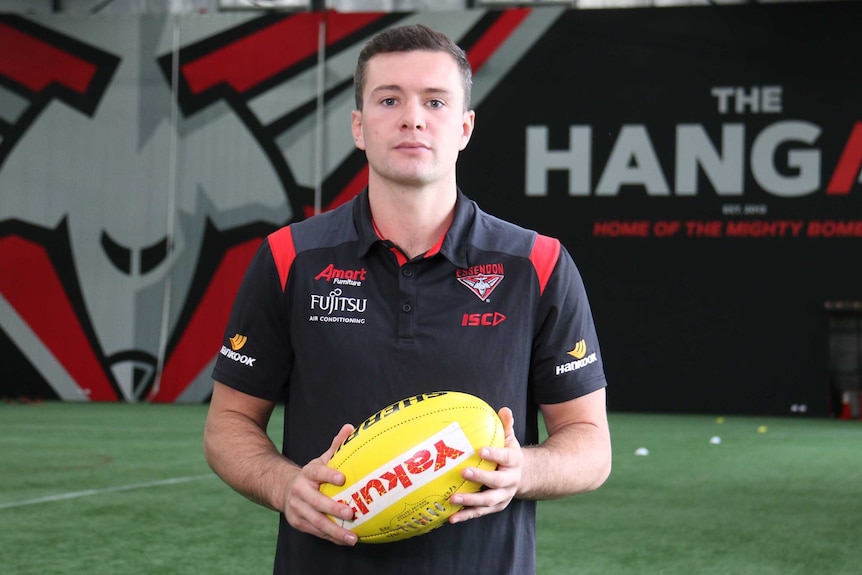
pixel 412 124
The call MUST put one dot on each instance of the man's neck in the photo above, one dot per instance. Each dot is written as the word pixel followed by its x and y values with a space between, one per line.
pixel 413 219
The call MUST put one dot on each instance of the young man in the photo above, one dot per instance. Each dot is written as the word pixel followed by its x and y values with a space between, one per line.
pixel 409 288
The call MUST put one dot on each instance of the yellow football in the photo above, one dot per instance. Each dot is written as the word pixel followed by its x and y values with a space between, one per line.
pixel 403 463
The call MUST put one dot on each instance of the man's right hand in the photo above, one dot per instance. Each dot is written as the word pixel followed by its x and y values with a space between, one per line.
pixel 307 509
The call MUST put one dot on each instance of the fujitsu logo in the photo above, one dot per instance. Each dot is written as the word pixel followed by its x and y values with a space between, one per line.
pixel 342 277
pixel 406 473
pixel 481 279
pixel 336 302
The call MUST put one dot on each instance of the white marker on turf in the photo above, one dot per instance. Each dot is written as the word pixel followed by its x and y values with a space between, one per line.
pixel 89 492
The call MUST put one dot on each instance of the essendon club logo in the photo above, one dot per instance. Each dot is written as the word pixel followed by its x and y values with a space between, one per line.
pixel 481 280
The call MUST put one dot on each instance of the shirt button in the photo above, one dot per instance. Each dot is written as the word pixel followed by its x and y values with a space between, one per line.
pixel 407 308
pixel 407 272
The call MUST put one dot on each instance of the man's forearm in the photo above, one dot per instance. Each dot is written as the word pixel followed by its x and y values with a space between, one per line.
pixel 245 458
pixel 575 459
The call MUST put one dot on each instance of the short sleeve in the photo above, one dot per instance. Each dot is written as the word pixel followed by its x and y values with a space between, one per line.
pixel 256 354
pixel 567 360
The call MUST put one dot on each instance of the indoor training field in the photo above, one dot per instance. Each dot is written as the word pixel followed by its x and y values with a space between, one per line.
pixel 111 488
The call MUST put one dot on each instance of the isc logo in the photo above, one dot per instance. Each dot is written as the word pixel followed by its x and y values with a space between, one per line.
pixel 482 319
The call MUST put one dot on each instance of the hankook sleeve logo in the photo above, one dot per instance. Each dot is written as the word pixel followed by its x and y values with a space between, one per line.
pixel 579 351
pixel 237 341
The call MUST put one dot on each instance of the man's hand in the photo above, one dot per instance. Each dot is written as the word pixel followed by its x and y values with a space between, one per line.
pixel 306 508
pixel 502 484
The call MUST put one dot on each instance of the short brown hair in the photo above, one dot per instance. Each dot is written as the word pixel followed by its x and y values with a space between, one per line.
pixel 408 39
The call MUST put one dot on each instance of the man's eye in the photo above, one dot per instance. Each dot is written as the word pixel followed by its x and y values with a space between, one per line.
pixel 435 103
pixel 388 101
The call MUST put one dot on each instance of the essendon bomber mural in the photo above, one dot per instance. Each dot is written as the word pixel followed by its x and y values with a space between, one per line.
pixel 129 210
pixel 703 165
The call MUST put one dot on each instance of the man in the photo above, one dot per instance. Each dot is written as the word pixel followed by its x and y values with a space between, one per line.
pixel 407 289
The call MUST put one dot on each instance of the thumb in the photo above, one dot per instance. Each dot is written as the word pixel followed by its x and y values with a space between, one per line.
pixel 343 434
pixel 508 419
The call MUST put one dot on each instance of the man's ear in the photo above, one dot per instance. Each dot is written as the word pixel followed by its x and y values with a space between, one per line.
pixel 467 125
pixel 356 128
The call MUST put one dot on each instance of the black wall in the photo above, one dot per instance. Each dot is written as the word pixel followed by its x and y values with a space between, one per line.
pixel 729 321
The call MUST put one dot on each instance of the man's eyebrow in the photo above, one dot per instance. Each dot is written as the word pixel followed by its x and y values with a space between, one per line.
pixel 443 91
pixel 387 88
pixel 397 88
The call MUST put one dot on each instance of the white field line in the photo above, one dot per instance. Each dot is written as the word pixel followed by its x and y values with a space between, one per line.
pixel 90 492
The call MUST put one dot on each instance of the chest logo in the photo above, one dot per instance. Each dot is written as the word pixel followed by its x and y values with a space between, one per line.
pixel 342 277
pixel 481 284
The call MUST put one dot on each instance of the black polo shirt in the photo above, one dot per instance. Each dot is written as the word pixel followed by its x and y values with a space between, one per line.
pixel 335 322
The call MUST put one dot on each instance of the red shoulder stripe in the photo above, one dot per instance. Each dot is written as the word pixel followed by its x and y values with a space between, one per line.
pixel 545 253
pixel 283 252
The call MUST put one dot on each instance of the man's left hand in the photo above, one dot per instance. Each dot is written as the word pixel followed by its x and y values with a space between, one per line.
pixel 501 484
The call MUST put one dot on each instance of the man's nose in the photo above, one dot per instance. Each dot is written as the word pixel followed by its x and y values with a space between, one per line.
pixel 413 117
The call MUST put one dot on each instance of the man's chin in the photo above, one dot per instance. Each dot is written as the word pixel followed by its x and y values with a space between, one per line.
pixel 409 179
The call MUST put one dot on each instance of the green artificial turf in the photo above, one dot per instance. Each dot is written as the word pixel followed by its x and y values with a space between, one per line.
pixel 775 496
pixel 102 489
pixel 197 525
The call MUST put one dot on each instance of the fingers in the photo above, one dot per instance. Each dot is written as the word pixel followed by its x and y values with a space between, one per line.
pixel 491 500
pixel 345 432
pixel 501 484
pixel 510 453
pixel 327 474
pixel 307 509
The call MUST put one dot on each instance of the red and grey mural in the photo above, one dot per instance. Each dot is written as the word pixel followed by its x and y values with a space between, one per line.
pixel 142 161
pixel 703 165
